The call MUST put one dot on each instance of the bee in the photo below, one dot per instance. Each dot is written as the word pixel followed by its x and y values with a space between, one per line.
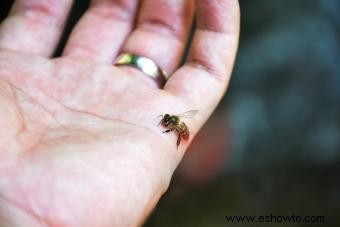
pixel 174 123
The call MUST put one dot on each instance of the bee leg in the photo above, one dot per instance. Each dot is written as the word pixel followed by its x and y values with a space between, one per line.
pixel 160 122
pixel 169 130
pixel 178 140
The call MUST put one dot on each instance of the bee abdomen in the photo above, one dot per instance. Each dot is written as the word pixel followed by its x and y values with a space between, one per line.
pixel 184 131
pixel 185 135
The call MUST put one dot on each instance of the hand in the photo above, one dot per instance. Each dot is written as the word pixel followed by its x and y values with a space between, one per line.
pixel 79 140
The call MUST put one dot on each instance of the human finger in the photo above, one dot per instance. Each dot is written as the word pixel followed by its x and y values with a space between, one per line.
pixel 161 33
pixel 34 26
pixel 202 81
pixel 102 30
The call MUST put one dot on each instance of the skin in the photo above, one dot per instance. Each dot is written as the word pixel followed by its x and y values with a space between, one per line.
pixel 80 143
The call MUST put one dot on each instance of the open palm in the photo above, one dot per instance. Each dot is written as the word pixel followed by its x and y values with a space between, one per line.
pixel 80 143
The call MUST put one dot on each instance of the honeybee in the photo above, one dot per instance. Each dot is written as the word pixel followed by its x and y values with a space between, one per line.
pixel 174 123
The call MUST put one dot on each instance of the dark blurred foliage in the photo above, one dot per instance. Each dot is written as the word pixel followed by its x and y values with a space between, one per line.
pixel 273 145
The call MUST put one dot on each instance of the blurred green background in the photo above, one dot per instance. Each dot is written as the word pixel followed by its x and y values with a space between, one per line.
pixel 273 145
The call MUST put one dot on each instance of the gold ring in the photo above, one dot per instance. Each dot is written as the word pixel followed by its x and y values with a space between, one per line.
pixel 146 65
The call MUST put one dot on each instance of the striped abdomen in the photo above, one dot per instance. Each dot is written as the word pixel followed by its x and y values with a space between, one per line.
pixel 183 130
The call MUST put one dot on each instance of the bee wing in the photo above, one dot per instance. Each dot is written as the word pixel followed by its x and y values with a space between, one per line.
pixel 188 114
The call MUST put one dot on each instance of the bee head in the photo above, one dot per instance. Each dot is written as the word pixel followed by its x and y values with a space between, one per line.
pixel 166 120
